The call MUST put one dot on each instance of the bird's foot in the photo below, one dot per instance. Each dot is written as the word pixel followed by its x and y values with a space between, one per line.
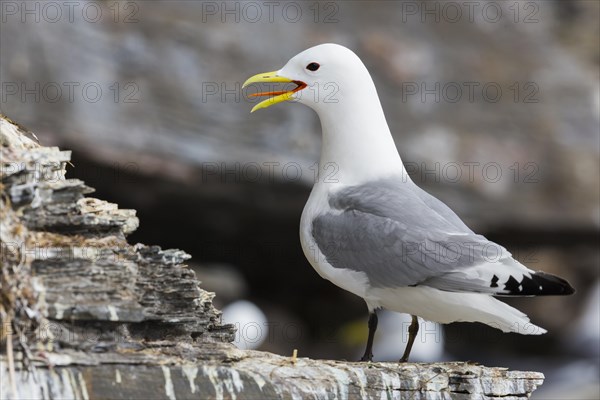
pixel 367 358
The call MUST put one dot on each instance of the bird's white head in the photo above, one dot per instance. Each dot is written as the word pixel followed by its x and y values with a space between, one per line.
pixel 324 76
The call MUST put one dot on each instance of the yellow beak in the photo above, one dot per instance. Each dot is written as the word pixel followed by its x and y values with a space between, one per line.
pixel 278 96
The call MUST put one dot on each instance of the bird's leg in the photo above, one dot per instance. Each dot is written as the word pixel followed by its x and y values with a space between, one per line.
pixel 413 329
pixel 372 328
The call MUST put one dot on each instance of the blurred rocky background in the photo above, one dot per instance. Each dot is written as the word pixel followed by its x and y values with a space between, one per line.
pixel 495 108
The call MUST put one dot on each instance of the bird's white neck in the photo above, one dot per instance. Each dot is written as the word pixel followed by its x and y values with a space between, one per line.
pixel 357 142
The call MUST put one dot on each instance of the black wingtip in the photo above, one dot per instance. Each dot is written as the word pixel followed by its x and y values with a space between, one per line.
pixel 540 284
pixel 553 284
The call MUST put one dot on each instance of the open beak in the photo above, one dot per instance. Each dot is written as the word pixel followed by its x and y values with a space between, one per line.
pixel 277 96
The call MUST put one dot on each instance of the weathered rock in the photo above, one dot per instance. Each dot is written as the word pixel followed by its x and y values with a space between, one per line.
pixel 83 270
pixel 254 375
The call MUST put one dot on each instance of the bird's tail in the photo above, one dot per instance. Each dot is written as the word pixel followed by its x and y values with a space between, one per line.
pixel 446 307
pixel 499 315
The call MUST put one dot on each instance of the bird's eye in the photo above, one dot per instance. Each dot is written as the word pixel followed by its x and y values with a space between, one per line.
pixel 313 66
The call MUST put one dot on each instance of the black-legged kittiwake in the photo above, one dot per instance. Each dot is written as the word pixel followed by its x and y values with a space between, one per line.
pixel 372 231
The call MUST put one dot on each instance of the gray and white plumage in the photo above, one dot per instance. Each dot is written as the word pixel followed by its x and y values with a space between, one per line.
pixel 402 249
pixel 399 235
pixel 372 231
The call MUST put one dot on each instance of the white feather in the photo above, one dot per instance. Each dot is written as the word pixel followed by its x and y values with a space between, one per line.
pixel 446 307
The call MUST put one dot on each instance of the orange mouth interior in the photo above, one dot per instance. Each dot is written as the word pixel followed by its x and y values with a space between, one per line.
pixel 299 86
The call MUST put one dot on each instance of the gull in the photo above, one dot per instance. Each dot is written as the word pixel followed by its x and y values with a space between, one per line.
pixel 369 229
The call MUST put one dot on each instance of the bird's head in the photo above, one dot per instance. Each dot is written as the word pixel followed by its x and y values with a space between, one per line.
pixel 318 77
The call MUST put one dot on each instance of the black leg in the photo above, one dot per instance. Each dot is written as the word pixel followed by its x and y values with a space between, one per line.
pixel 413 329
pixel 372 328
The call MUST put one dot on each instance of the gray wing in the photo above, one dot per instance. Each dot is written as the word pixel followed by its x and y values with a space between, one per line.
pixel 399 235
pixel 442 209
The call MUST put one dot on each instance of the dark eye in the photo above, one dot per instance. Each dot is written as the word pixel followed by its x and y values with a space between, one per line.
pixel 313 66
